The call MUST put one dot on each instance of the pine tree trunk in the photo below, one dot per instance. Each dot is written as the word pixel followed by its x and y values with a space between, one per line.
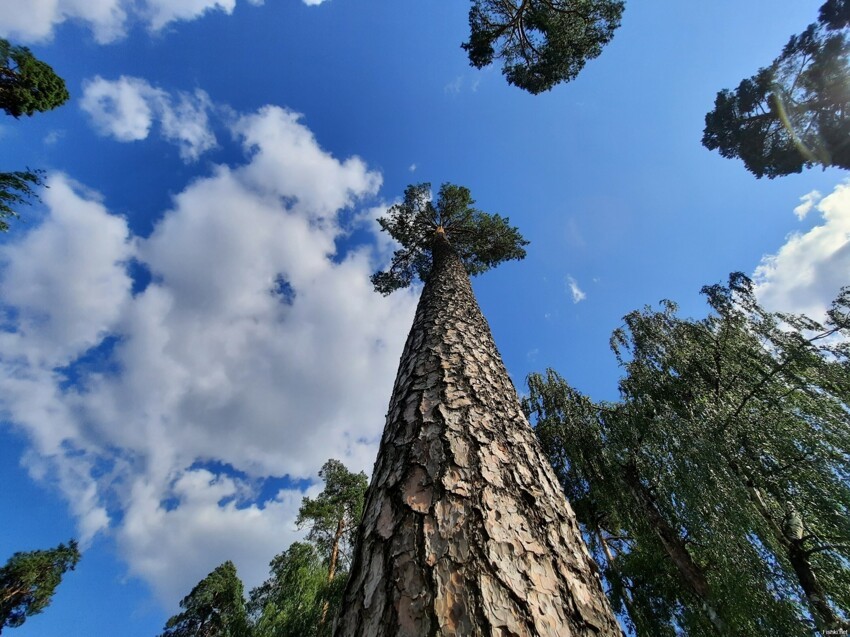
pixel 465 530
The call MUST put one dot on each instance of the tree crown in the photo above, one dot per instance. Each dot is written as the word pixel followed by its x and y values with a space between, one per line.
pixel 27 84
pixel 481 240
pixel 214 608
pixel 541 42
pixel 795 113
pixel 29 579
pixel 338 507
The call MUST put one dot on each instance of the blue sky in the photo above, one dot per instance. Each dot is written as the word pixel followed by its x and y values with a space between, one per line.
pixel 188 329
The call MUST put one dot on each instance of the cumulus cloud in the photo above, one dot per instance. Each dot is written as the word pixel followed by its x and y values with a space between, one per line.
pixel 807 203
pixel 108 20
pixel 127 109
pixel 35 20
pixel 806 273
pixel 575 291
pixel 257 351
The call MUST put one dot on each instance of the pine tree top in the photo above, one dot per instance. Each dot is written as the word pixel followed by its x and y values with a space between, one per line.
pixel 481 240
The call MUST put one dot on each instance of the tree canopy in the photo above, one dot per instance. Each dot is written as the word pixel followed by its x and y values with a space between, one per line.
pixel 306 581
pixel 334 514
pixel 540 42
pixel 27 84
pixel 214 608
pixel 794 113
pixel 292 601
pixel 718 483
pixel 16 188
pixel 481 240
pixel 29 580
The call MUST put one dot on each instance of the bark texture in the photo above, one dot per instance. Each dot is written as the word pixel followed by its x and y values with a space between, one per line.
pixel 466 530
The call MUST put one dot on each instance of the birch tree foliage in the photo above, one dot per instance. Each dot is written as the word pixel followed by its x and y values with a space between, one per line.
pixel 541 43
pixel 17 188
pixel 795 113
pixel 481 240
pixel 214 608
pixel 738 424
pixel 290 602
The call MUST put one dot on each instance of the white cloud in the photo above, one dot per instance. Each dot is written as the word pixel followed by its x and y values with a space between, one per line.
pixel 575 291
pixel 208 364
pixel 35 20
pixel 120 108
pixel 412 168
pixel 809 201
pixel 454 87
pixel 162 12
pixel 53 137
pixel 128 107
pixel 807 272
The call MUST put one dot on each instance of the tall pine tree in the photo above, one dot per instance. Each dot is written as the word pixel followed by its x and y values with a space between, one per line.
pixel 465 529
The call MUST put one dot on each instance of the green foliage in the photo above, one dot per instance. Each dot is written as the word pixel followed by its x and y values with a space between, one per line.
pixel 16 188
pixel 739 426
pixel 214 608
pixel 29 580
pixel 481 240
pixel 540 42
pixel 307 580
pixel 290 603
pixel 27 84
pixel 334 514
pixel 796 112
pixel 305 586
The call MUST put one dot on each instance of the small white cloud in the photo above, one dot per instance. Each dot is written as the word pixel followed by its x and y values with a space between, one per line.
pixel 809 201
pixel 53 136
pixel 120 108
pixel 127 108
pixel 412 168
pixel 575 290
pixel 454 87
pixel 186 123
pixel 162 12
pixel 806 273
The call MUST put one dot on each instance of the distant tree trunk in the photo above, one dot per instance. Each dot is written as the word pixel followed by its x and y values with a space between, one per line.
pixel 466 530
pixel 340 527
pixel 795 552
pixel 614 569
pixel 690 573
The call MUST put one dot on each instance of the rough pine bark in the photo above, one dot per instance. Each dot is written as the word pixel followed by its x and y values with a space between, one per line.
pixel 465 529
